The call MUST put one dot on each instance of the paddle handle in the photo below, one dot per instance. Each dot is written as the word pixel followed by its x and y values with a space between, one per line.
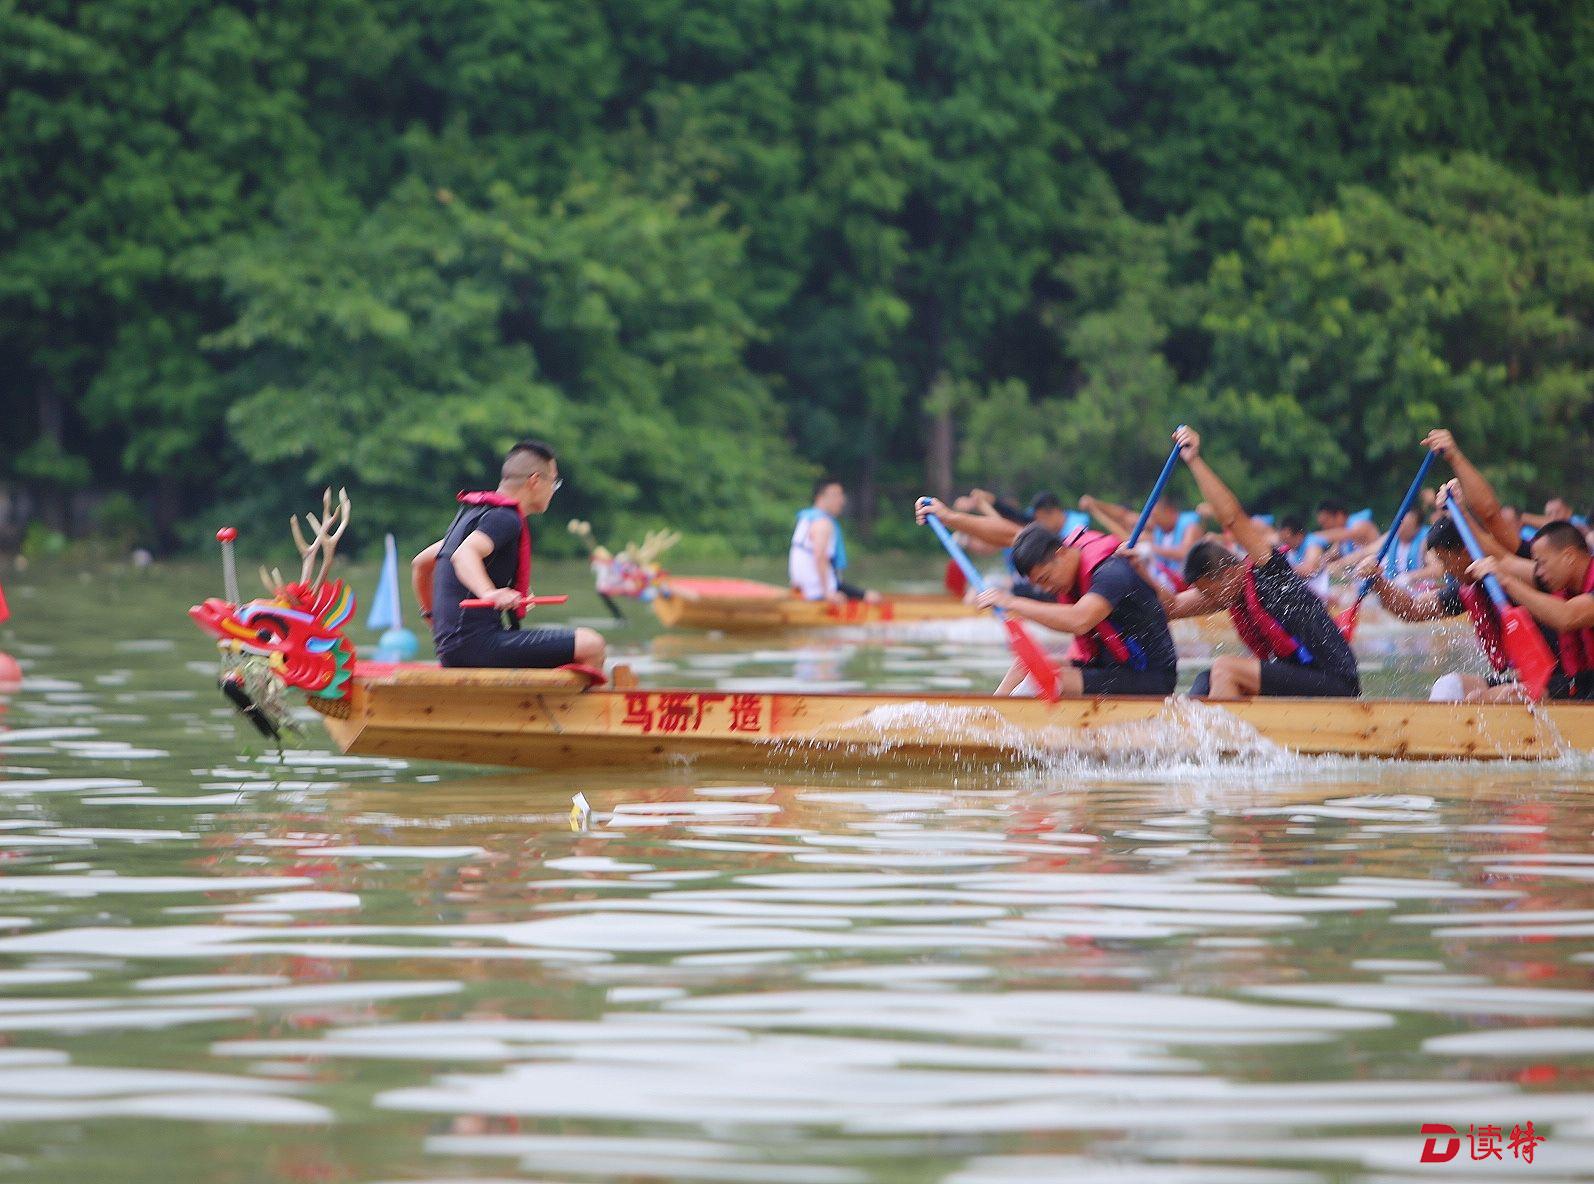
pixel 959 557
pixel 1156 495
pixel 525 602
pixel 1400 516
pixel 229 562
pixel 1490 584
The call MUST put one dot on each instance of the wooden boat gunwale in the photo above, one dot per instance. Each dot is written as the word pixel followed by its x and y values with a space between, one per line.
pixel 538 719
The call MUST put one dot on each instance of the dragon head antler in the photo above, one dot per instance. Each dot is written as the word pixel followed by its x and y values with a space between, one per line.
pixel 655 544
pixel 327 530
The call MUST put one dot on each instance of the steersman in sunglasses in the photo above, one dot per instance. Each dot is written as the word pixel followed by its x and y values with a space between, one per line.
pixel 485 556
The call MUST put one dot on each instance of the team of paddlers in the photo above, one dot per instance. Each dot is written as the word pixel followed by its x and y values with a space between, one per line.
pixel 1073 571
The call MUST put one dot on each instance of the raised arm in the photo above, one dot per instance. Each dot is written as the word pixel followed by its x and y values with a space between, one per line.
pixel 998 532
pixel 1118 520
pixel 1507 557
pixel 1180 547
pixel 1475 488
pixel 1226 508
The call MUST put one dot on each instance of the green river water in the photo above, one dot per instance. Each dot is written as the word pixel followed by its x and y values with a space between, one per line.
pixel 222 965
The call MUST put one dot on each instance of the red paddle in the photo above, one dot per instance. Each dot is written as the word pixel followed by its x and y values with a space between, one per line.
pixel 1025 648
pixel 1520 636
pixel 956 582
pixel 525 602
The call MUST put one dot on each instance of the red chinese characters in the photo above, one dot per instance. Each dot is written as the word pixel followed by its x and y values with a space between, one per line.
pixel 684 712
pixel 1523 1141
pixel 747 713
pixel 1443 1142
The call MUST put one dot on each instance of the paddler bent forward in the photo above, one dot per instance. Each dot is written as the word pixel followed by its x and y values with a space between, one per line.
pixel 1297 648
pixel 1121 641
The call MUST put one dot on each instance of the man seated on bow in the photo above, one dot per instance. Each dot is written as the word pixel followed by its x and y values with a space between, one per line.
pixel 486 555
pixel 1296 649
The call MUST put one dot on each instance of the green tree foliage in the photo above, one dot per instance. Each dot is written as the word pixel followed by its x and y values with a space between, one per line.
pixel 1224 110
pixel 132 133
pixel 710 246
pixel 402 351
pixel 1460 297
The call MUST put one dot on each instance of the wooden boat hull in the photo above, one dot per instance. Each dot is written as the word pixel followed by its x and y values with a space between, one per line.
pixel 685 604
pixel 542 720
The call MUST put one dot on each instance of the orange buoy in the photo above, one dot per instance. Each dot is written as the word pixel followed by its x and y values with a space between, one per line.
pixel 10 673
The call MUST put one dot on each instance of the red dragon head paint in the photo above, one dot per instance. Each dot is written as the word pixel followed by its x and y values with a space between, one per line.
pixel 299 629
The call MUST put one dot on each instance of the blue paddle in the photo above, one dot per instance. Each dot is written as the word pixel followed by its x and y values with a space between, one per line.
pixel 1348 618
pixel 1156 495
pixel 1024 647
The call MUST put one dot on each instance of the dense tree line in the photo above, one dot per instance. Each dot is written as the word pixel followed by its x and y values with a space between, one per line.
pixel 710 247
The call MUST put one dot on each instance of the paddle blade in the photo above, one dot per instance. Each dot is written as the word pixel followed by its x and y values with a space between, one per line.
pixel 1527 650
pixel 1028 651
pixel 956 582
pixel 1347 619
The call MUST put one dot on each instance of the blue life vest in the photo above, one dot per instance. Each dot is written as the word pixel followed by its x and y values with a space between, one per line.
pixel 1298 555
pixel 1404 558
pixel 838 549
pixel 1347 546
pixel 1172 538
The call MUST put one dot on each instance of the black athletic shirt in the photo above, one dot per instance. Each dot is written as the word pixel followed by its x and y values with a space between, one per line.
pixel 1295 606
pixel 450 623
pixel 1136 613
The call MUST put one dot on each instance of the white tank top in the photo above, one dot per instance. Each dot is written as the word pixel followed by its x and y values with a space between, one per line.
pixel 801 564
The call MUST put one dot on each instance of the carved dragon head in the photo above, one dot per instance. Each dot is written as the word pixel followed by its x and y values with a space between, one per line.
pixel 298 630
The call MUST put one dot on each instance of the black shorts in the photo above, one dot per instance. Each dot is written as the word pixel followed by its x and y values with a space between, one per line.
pixel 1126 680
pixel 1290 681
pixel 514 649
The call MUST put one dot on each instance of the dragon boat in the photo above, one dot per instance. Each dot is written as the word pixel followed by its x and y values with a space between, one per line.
pixel 293 641
pixel 748 606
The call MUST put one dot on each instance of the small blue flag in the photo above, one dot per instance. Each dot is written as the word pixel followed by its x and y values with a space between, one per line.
pixel 386 612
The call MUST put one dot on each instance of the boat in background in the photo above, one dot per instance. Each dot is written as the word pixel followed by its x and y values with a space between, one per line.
pixel 744 606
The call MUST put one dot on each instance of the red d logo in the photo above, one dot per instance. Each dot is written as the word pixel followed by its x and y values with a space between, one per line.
pixel 1430 1149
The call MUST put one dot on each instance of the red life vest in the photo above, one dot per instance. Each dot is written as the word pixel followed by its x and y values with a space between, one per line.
pixel 1485 623
pixel 1094 550
pixel 1259 629
pixel 492 497
pixel 1577 645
